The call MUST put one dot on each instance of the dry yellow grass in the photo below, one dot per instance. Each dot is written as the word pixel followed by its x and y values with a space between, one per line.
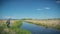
pixel 46 23
pixel 49 22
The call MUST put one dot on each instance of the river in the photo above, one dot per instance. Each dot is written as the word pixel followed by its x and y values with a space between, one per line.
pixel 34 29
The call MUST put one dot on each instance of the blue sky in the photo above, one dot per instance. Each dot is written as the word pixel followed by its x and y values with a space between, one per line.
pixel 36 9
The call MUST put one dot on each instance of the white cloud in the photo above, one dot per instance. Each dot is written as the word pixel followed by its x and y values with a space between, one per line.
pixel 46 8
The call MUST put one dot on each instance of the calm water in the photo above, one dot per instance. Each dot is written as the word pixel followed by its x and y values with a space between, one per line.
pixel 34 29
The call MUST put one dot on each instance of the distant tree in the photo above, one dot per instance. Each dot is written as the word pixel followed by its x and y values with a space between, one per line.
pixel 26 19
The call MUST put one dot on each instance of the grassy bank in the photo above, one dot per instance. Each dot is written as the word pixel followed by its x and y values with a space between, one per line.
pixel 55 24
pixel 14 28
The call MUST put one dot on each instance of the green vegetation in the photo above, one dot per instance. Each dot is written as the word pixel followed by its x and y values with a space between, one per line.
pixel 16 24
pixel 57 27
pixel 26 19
pixel 14 28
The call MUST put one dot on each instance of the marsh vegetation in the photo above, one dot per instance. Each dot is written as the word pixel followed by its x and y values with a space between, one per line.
pixel 16 24
pixel 14 27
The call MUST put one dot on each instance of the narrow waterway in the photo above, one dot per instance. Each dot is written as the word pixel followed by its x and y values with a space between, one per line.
pixel 34 29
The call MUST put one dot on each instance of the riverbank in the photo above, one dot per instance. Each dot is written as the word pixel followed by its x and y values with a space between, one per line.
pixel 55 24
pixel 14 27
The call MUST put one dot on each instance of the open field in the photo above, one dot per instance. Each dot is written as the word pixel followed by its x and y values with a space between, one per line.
pixel 54 23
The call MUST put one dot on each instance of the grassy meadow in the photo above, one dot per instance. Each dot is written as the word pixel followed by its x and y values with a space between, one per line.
pixel 16 24
pixel 14 27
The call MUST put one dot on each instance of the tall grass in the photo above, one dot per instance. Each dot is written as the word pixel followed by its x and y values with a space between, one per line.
pixel 14 28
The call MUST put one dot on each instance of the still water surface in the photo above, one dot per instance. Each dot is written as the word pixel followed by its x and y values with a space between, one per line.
pixel 34 29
